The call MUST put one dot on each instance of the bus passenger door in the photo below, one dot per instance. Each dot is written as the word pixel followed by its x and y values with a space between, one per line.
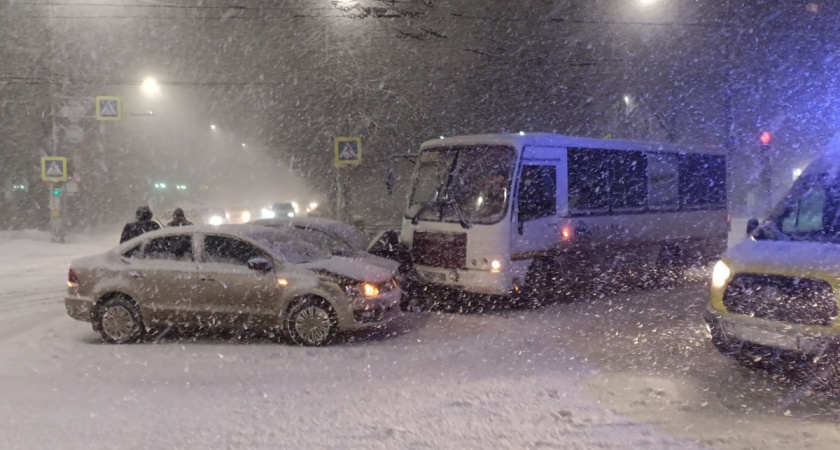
pixel 536 222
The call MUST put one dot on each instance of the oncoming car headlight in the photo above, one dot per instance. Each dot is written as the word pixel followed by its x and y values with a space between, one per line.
pixel 720 275
pixel 215 220
pixel 267 214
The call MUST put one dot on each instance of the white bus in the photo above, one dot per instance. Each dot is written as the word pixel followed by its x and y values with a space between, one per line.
pixel 502 214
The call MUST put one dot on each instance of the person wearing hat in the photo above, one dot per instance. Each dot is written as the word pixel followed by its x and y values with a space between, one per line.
pixel 143 224
pixel 179 219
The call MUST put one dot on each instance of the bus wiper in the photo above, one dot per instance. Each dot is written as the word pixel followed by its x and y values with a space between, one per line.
pixel 461 218
pixel 423 208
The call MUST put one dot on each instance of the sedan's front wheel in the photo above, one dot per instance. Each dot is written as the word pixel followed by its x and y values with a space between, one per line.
pixel 118 321
pixel 311 321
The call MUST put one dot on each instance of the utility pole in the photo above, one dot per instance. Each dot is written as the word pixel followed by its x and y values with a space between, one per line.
pixel 728 107
pixel 53 200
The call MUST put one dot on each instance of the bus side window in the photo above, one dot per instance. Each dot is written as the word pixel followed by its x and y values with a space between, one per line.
pixel 589 184
pixel 703 181
pixel 537 192
pixel 663 174
pixel 628 181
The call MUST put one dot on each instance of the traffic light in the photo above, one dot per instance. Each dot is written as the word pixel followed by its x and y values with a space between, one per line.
pixel 765 139
pixel 56 192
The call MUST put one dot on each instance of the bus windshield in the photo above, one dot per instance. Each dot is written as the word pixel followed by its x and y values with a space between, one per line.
pixel 462 184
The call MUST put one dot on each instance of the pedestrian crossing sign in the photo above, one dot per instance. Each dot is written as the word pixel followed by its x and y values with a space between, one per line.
pixel 348 151
pixel 108 108
pixel 53 168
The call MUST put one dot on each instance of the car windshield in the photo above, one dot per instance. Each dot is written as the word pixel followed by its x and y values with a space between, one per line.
pixel 810 211
pixel 286 246
pixel 470 183
pixel 350 235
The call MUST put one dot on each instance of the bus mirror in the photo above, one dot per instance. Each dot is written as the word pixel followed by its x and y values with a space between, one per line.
pixel 389 182
pixel 752 225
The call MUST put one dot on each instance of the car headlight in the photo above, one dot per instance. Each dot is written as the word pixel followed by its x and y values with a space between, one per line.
pixel 246 216
pixel 268 214
pixel 216 220
pixel 361 290
pixel 291 214
pixel 720 275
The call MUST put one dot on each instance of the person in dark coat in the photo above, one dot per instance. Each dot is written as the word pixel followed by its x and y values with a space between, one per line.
pixel 143 224
pixel 179 219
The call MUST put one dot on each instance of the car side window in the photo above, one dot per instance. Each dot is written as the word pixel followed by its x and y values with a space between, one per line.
pixel 133 251
pixel 227 250
pixel 173 248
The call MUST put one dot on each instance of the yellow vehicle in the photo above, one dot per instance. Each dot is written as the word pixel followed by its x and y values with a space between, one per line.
pixel 777 291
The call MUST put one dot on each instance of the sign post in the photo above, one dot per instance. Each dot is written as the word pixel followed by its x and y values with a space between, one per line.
pixel 54 170
pixel 348 152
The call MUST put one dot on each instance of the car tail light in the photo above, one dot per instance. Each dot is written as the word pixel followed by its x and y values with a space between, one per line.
pixel 72 279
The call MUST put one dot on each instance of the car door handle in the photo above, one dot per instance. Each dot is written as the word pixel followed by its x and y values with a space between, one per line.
pixel 208 278
pixel 137 275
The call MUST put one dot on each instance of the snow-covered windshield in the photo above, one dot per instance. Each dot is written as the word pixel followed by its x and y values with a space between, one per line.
pixel 286 246
pixel 469 182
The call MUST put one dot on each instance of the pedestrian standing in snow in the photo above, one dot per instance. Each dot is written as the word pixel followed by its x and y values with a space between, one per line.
pixel 143 224
pixel 179 219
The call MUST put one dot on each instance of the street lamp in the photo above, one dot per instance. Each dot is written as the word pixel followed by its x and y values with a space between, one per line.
pixel 243 145
pixel 212 126
pixel 646 2
pixel 150 87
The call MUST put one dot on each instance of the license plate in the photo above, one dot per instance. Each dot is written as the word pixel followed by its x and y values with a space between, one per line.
pixel 436 277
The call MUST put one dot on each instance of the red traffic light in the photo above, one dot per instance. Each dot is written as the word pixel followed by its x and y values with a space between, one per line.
pixel 765 138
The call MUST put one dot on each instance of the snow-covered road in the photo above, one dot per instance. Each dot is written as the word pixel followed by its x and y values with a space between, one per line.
pixel 632 370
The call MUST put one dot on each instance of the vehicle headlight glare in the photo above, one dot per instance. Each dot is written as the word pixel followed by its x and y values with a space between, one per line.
pixel 720 275
pixel 268 214
pixel 216 220
pixel 246 216
pixel 496 265
pixel 370 290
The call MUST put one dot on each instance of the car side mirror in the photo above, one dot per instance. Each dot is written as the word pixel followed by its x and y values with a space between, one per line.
pixel 260 264
pixel 752 225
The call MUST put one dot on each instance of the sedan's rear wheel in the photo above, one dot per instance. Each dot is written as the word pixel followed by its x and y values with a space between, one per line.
pixel 118 321
pixel 311 321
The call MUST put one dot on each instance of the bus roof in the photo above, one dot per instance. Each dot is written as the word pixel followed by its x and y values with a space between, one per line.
pixel 559 140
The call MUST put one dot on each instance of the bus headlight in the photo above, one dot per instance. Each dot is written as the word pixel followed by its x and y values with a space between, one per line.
pixel 720 275
pixel 495 266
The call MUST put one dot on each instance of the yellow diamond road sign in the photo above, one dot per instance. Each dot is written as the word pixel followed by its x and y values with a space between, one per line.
pixel 348 151
pixel 108 108
pixel 53 168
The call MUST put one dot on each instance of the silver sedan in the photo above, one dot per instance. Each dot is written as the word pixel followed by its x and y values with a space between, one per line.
pixel 234 277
